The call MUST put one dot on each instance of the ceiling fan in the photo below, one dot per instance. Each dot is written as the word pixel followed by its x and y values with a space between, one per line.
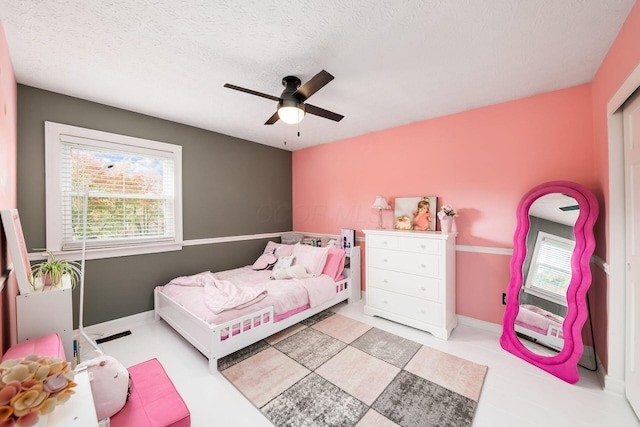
pixel 291 104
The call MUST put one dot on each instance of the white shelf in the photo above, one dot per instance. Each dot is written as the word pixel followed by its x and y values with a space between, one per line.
pixel 44 312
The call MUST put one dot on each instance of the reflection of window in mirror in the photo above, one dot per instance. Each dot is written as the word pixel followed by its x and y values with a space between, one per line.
pixel 550 271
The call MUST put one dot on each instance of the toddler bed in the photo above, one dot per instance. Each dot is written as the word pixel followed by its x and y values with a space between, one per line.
pixel 223 312
pixel 537 323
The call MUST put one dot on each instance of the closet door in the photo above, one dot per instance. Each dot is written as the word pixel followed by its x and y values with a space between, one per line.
pixel 631 120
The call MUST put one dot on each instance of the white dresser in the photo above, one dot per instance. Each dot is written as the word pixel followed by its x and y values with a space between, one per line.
pixel 411 278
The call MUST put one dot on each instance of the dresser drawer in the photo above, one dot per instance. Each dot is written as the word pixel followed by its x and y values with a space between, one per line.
pixel 407 284
pixel 406 243
pixel 406 262
pixel 424 246
pixel 407 306
pixel 385 242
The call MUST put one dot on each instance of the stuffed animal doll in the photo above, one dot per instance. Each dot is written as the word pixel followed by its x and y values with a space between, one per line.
pixel 332 244
pixel 293 272
pixel 110 384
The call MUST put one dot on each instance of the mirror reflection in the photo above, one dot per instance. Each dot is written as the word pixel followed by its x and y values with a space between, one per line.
pixel 546 273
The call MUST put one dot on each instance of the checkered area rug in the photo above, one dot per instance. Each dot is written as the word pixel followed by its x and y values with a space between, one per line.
pixel 330 370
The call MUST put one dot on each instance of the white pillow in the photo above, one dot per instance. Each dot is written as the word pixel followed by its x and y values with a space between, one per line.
pixel 284 262
pixel 312 258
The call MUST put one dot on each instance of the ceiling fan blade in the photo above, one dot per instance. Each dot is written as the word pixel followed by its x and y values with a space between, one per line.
pixel 317 111
pixel 316 83
pixel 252 92
pixel 272 119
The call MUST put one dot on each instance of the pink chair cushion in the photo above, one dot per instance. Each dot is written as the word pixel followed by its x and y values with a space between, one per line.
pixel 47 345
pixel 154 400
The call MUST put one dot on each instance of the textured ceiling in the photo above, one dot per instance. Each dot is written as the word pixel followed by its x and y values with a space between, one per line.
pixel 549 207
pixel 394 62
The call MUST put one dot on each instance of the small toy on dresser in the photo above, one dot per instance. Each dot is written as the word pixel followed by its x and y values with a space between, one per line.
pixel 403 223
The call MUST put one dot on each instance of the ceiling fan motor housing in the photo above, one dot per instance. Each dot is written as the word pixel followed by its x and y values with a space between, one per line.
pixel 291 83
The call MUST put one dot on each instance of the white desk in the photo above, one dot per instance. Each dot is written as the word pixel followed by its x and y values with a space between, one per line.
pixel 78 411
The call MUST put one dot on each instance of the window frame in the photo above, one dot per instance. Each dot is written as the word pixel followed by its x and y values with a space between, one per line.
pixel 99 139
pixel 530 287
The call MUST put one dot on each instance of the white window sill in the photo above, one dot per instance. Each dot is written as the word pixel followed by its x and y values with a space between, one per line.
pixel 102 253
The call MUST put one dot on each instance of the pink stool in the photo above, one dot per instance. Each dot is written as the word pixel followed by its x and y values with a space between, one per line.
pixel 46 345
pixel 154 400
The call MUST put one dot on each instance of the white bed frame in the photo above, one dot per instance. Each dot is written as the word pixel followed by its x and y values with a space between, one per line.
pixel 551 339
pixel 208 338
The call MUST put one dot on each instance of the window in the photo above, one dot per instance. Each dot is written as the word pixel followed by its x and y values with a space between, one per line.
pixel 131 186
pixel 550 271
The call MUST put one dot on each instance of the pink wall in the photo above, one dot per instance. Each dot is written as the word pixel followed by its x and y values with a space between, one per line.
pixel 480 161
pixel 8 188
pixel 620 61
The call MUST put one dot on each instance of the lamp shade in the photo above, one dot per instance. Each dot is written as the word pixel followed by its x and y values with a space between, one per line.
pixel 380 203
pixel 291 111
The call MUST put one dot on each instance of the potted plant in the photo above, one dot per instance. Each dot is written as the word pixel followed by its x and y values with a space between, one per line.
pixel 52 271
pixel 446 215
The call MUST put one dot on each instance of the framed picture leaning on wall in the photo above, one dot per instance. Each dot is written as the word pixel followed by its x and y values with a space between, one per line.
pixel 415 213
pixel 17 249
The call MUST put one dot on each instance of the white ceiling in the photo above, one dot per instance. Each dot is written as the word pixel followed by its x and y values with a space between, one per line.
pixel 394 62
pixel 549 207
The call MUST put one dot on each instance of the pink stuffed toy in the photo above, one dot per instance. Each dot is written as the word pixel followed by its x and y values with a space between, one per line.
pixel 110 384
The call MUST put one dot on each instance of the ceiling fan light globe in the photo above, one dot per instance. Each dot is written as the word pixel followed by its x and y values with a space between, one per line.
pixel 291 115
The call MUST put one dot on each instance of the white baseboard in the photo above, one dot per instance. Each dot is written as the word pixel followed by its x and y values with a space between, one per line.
pixel 116 326
pixel 610 384
pixel 480 324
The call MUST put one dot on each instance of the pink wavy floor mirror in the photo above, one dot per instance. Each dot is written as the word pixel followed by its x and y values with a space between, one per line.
pixel 550 276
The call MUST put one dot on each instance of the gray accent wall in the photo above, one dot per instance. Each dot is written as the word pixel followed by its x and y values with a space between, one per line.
pixel 230 187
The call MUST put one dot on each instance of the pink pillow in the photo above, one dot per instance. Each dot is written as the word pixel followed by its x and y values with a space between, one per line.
pixel 264 261
pixel 312 258
pixel 335 264
pixel 278 249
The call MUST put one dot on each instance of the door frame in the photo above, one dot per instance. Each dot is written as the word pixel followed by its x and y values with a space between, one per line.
pixel 616 251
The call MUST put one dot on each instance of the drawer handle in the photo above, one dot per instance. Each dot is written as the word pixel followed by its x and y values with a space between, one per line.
pixel 385 301
pixel 423 246
pixel 423 312
pixel 384 243
pixel 423 288
pixel 423 265
pixel 385 260
pixel 385 281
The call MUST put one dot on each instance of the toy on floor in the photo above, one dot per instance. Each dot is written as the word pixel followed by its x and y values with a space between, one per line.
pixel 110 384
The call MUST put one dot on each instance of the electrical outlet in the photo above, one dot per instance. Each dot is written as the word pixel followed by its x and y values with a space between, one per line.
pixel 504 299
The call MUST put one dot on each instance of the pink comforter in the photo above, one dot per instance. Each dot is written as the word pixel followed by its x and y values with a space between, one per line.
pixel 243 290
pixel 222 295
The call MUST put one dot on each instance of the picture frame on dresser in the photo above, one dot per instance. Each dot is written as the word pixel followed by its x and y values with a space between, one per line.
pixel 407 209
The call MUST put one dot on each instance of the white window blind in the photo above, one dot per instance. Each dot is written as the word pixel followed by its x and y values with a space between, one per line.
pixel 550 271
pixel 136 202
